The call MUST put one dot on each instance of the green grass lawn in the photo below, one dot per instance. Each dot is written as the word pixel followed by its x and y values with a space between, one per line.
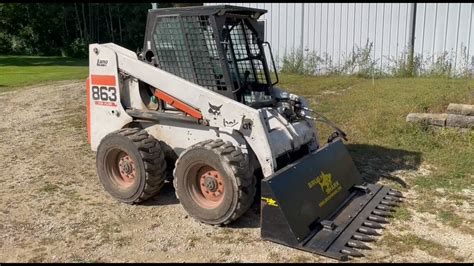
pixel 372 112
pixel 18 71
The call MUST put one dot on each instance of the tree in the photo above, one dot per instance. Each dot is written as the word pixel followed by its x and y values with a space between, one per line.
pixel 67 29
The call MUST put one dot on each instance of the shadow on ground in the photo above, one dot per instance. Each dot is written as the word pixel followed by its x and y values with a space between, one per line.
pixel 166 196
pixel 373 162
pixel 376 162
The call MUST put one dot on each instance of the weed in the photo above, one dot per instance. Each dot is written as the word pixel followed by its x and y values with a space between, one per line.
pixel 49 188
pixel 466 64
pixel 123 241
pixel 297 62
pixel 441 67
pixel 274 256
pixel 450 218
pixel 401 66
pixel 222 239
pixel 300 259
pixel 192 241
pixel 226 252
pixel 360 62
pixel 402 213
pixel 406 243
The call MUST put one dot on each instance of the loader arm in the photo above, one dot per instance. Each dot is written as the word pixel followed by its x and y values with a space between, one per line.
pixel 232 115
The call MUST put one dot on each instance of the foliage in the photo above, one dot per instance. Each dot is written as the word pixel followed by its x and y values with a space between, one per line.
pixel 361 63
pixel 298 62
pixel 67 28
pixel 441 66
pixel 401 66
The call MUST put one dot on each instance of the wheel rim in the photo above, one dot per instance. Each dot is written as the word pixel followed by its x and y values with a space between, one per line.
pixel 121 168
pixel 206 186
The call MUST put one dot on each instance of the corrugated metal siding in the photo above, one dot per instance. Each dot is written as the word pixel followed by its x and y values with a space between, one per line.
pixel 336 29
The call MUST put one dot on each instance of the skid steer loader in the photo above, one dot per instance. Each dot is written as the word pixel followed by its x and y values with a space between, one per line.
pixel 199 106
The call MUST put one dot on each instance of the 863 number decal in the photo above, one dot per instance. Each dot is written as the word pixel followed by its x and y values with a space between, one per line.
pixel 103 95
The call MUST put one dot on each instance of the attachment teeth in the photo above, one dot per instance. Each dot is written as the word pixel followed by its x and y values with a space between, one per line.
pixel 396 194
pixel 364 238
pixel 385 208
pixel 351 252
pixel 377 219
pixel 357 244
pixel 382 213
pixel 393 198
pixel 389 203
pixel 373 225
pixel 368 231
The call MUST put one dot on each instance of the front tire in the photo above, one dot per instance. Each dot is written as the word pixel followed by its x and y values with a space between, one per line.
pixel 130 165
pixel 214 182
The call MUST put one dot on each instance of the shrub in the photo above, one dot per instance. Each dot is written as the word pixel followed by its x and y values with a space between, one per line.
pixel 78 49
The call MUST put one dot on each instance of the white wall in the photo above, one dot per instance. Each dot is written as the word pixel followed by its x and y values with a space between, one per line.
pixel 338 28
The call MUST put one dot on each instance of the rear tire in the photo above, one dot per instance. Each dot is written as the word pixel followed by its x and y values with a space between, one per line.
pixel 214 182
pixel 130 165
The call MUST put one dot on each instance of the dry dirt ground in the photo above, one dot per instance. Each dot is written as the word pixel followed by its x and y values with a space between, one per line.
pixel 53 208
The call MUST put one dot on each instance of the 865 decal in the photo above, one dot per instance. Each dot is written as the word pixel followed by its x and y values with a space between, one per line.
pixel 104 95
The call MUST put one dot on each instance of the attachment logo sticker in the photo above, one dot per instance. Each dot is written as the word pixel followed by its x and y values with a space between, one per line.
pixel 328 186
pixel 270 201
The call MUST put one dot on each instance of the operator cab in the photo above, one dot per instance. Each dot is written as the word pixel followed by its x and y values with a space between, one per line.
pixel 218 47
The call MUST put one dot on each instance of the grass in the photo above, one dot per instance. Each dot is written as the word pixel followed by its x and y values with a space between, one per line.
pixel 373 113
pixel 18 71
pixel 405 243
pixel 49 188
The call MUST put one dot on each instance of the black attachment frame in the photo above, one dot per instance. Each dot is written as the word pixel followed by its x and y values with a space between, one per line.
pixel 321 204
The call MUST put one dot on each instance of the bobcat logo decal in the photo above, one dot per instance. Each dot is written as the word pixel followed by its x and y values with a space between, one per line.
pixel 215 110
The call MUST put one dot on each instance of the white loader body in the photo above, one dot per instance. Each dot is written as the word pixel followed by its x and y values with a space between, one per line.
pixel 113 91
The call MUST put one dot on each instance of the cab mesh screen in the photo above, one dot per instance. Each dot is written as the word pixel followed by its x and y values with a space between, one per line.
pixel 186 47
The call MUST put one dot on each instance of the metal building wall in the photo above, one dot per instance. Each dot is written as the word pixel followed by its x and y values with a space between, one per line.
pixel 337 29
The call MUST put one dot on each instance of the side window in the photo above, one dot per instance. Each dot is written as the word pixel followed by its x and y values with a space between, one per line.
pixel 248 61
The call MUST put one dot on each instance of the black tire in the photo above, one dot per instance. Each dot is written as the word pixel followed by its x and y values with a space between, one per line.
pixel 234 169
pixel 146 156
pixel 170 157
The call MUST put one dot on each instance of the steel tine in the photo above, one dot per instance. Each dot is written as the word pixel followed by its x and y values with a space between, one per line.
pixel 394 190
pixel 385 208
pixel 382 213
pixel 357 244
pixel 364 238
pixel 393 198
pixel 389 203
pixel 377 219
pixel 351 252
pixel 368 231
pixel 396 194
pixel 373 225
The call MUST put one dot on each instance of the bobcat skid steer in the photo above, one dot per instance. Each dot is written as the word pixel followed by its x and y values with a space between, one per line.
pixel 199 106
